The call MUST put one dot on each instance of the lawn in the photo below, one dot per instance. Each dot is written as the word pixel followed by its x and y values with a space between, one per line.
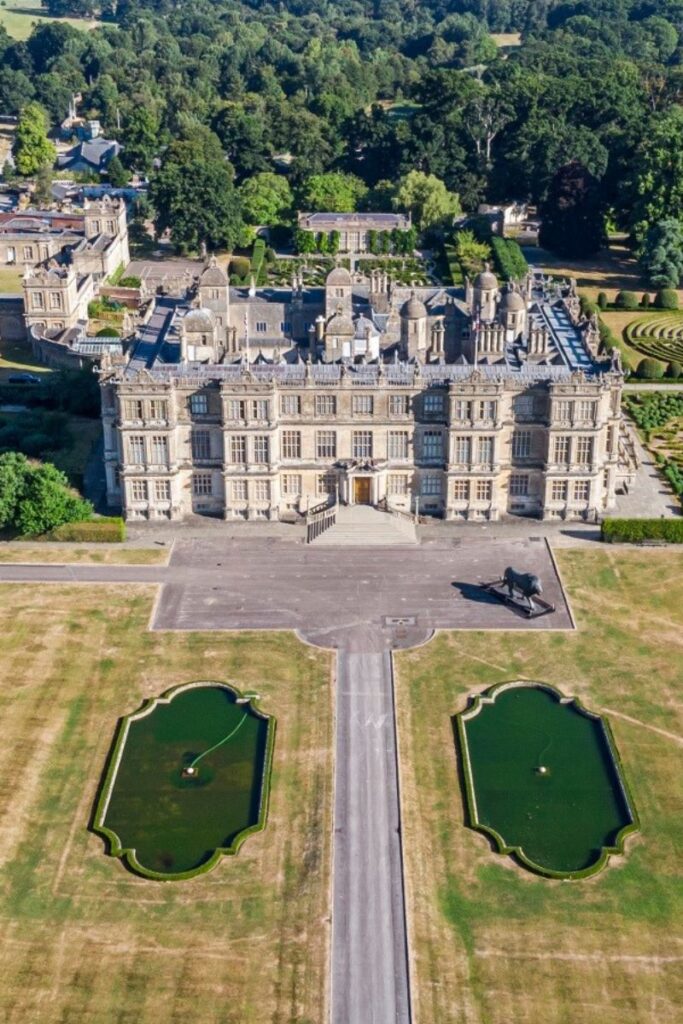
pixel 491 942
pixel 85 940
pixel 18 19
pixel 17 355
pixel 611 270
pixel 10 280
pixel 77 554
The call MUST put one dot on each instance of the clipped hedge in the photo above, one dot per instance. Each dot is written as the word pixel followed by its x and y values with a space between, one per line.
pixel 626 300
pixel 635 531
pixel 666 298
pixel 105 530
pixel 509 258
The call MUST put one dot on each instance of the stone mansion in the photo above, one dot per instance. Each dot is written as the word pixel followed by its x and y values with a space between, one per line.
pixel 467 404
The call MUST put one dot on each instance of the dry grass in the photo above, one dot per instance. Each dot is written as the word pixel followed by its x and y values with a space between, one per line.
pixel 503 39
pixel 611 270
pixel 84 941
pixel 49 553
pixel 491 942
pixel 10 281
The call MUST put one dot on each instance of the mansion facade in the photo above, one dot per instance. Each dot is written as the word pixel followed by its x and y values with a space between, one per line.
pixel 467 406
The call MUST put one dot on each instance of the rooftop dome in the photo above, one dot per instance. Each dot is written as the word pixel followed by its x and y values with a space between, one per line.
pixel 340 324
pixel 198 321
pixel 213 275
pixel 339 276
pixel 511 301
pixel 486 281
pixel 414 309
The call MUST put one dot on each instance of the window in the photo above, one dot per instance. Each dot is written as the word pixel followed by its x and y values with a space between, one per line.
pixel 28 252
pixel 462 410
pixel 325 444
pixel 584 451
pixel 397 446
pixel 433 405
pixel 326 483
pixel 399 405
pixel 259 409
pixel 261 326
pixel 563 411
pixel 432 445
pixel 291 444
pixel 587 411
pixel 285 327
pixel 199 405
pixel 201 444
pixel 158 410
pixel 519 485
pixel 134 410
pixel 523 406
pixel 430 485
pixel 325 405
pixel 561 449
pixel 362 405
pixel 138 490
pixel 463 449
pixel 159 450
pixel 291 483
pixel 238 448
pixel 56 300
pixel 558 490
pixel 290 405
pixel 361 444
pixel 239 490
pixel 236 409
pixel 397 484
pixel 487 410
pixel 37 300
pixel 162 490
pixel 461 490
pixel 485 451
pixel 201 484
pixel 261 489
pixel 521 444
pixel 582 490
pixel 110 227
pixel 484 490
pixel 261 448
pixel 136 449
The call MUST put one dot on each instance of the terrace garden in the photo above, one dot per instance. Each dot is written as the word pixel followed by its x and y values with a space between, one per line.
pixel 659 417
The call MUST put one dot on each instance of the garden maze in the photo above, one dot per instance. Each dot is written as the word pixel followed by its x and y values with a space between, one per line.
pixel 659 336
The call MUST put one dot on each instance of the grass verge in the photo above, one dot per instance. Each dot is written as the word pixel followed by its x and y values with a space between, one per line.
pixel 49 553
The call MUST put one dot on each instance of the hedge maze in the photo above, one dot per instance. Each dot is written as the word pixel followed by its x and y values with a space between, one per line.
pixel 659 336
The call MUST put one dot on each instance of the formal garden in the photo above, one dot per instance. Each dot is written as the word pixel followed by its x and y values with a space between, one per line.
pixel 659 417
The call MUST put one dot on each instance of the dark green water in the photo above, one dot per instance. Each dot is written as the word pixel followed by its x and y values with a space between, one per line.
pixel 561 819
pixel 174 824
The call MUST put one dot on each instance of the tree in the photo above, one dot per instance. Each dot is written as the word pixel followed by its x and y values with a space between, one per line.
pixel 661 256
pixel 32 148
pixel 13 470
pixel 194 195
pixel 471 253
pixel 427 199
pixel 266 199
pixel 140 138
pixel 117 173
pixel 332 193
pixel 35 498
pixel 573 216
pixel 656 188
pixel 304 241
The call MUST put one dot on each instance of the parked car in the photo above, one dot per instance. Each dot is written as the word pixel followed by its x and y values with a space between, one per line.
pixel 23 378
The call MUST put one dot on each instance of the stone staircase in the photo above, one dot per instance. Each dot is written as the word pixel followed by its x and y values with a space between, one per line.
pixel 364 526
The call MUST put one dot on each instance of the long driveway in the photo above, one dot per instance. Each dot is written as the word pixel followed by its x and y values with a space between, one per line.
pixel 364 603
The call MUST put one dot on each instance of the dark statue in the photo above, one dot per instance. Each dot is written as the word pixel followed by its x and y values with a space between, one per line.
pixel 526 583
pixel 521 590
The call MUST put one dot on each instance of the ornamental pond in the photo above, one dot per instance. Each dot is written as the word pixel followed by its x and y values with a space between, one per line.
pixel 543 779
pixel 187 780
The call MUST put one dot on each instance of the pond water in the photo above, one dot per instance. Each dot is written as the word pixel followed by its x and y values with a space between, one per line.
pixel 170 820
pixel 543 777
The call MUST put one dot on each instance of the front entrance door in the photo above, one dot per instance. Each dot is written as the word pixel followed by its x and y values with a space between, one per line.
pixel 361 490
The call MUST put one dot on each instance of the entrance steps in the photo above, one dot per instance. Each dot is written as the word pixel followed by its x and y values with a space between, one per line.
pixel 364 526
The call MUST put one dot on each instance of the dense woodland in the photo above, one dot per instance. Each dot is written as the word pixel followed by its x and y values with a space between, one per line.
pixel 375 90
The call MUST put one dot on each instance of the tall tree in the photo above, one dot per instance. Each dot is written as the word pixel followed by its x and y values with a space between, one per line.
pixel 573 216
pixel 662 254
pixel 332 193
pixel 32 149
pixel 427 199
pixel 266 199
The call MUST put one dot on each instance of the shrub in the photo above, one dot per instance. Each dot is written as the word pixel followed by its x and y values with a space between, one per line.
pixel 666 298
pixel 635 531
pixel 130 282
pixel 104 530
pixel 508 257
pixel 645 301
pixel 107 332
pixel 602 300
pixel 674 370
pixel 650 369
pixel 239 267
pixel 588 307
pixel 627 300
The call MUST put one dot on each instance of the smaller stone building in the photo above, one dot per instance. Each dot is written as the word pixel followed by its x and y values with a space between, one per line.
pixel 354 228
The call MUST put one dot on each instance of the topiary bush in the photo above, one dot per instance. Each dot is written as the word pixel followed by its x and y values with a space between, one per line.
pixel 635 531
pixel 650 369
pixel 107 332
pixel 627 300
pixel 602 300
pixel 645 301
pixel 666 298
pixel 674 370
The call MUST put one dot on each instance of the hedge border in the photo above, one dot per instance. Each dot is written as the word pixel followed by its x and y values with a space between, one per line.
pixel 632 531
pixel 112 839
pixel 488 696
